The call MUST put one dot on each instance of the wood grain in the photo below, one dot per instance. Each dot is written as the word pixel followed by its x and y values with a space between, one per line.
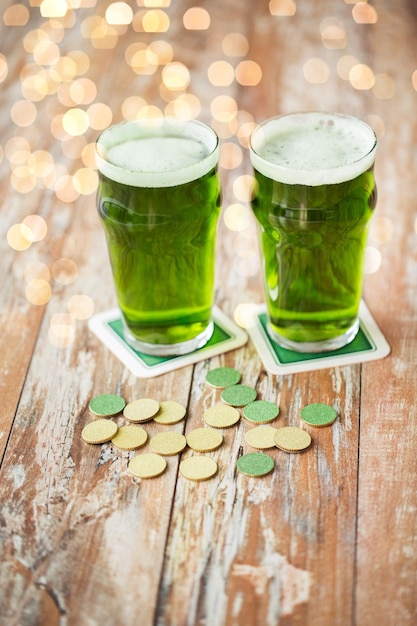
pixel 329 537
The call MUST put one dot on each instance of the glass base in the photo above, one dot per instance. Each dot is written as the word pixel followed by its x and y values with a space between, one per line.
pixel 171 349
pixel 316 346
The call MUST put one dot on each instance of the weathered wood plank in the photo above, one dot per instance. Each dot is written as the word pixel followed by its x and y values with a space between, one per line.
pixel 329 537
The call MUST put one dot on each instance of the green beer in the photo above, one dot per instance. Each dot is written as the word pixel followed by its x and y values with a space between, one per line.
pixel 159 202
pixel 314 195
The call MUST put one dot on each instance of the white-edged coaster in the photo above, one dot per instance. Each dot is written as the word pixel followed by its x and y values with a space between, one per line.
pixel 368 345
pixel 108 327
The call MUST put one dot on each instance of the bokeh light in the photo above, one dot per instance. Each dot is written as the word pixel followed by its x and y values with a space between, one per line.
pixel 3 68
pixel 364 13
pixel 80 307
pixel 62 330
pixel 373 260
pixel 248 73
pixel 38 270
pixel 282 7
pixel 361 77
pixel 38 291
pixel 244 187
pixel 221 73
pixel 65 271
pixel 235 45
pixel 37 227
pixel 19 237
pixel 16 15
pixel 85 181
pixel 75 122
pixel 53 8
pixel 245 314
pixel 223 108
pixel 196 18
pixel 119 13
pixel 23 113
pixel 236 217
pixel 99 116
pixel 316 71
pixel 345 64
pixel 154 21
pixel 414 79
pixel 333 34
pixel 176 76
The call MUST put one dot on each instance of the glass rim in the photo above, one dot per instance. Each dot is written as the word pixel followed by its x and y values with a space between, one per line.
pixel 326 175
pixel 154 127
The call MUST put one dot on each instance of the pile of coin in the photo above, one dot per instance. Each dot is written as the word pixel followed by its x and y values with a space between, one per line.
pixel 237 400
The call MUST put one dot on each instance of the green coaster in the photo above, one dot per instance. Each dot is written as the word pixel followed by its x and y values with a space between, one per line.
pixel 108 327
pixel 318 414
pixel 368 345
pixel 222 377
pixel 107 404
pixel 238 395
pixel 255 464
pixel 261 411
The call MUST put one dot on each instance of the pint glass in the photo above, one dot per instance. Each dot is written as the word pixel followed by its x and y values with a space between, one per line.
pixel 159 202
pixel 314 195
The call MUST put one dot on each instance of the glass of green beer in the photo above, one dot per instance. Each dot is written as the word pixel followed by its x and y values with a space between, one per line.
pixel 314 195
pixel 159 202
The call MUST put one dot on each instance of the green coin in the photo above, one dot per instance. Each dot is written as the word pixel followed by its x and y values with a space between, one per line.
pixel 238 395
pixel 107 404
pixel 261 411
pixel 255 464
pixel 222 377
pixel 318 414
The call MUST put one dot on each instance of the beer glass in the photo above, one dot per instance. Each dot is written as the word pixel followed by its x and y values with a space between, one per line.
pixel 314 195
pixel 159 203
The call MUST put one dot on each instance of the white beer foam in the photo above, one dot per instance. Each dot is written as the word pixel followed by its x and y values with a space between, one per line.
pixel 313 148
pixel 157 154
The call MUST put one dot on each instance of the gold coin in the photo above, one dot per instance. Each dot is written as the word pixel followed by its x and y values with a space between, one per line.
pixel 147 465
pixel 292 439
pixel 99 431
pixel 130 438
pixel 204 439
pixel 168 443
pixel 198 468
pixel 170 412
pixel 141 410
pixel 221 416
pixel 261 437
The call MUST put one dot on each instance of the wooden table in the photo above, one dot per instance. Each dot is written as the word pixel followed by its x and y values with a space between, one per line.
pixel 330 537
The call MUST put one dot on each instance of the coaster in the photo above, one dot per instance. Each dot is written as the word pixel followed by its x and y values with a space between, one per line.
pixel 368 345
pixel 107 326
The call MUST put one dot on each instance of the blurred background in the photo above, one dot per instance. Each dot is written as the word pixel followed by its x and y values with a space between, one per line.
pixel 73 67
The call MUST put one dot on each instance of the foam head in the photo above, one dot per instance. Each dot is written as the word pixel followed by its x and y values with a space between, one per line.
pixel 313 148
pixel 161 153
